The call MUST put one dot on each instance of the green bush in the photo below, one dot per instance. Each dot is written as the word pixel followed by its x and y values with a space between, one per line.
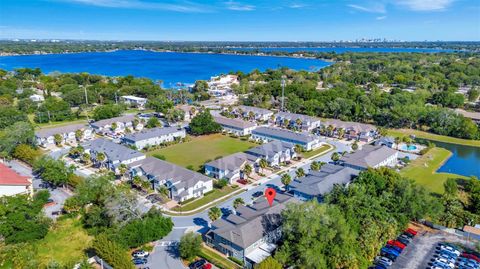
pixel 235 260
pixel 190 244
pixel 112 253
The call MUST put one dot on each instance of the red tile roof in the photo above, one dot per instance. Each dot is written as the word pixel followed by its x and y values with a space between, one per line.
pixel 10 177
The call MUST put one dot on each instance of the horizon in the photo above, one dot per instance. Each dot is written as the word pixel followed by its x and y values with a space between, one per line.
pixel 241 21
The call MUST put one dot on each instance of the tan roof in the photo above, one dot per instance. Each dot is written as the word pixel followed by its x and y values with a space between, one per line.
pixel 472 230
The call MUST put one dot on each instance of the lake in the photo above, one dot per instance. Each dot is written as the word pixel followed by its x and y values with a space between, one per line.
pixel 170 67
pixel 465 160
pixel 346 49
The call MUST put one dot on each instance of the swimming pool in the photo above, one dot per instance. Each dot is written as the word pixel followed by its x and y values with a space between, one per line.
pixel 408 147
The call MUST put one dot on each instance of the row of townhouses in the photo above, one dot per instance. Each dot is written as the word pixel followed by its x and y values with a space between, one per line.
pixel 154 136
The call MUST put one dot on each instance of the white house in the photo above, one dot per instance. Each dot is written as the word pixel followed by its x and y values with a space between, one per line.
pixel 134 101
pixel 274 152
pixel 46 137
pixel 235 126
pixel 222 85
pixel 12 183
pixel 155 136
pixel 370 156
pixel 122 122
pixel 230 167
pixel 183 184
pixel 300 121
pixel 253 113
pixel 267 134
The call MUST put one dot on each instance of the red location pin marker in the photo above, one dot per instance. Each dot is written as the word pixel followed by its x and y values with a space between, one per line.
pixel 270 195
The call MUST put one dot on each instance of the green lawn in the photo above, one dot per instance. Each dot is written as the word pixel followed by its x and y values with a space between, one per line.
pixel 58 124
pixel 213 195
pixel 217 259
pixel 65 243
pixel 434 137
pixel 202 149
pixel 318 151
pixel 422 170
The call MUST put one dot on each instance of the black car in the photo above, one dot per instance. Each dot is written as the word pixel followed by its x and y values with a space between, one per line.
pixel 197 264
pixel 257 194
pixel 139 261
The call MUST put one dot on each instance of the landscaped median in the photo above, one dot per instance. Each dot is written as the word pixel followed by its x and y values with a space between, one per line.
pixel 423 170
pixel 199 204
pixel 318 151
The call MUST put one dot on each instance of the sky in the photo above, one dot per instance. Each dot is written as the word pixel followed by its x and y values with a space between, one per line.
pixel 247 20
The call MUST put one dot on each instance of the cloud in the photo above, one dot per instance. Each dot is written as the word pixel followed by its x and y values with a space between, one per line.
pixel 232 5
pixel 425 5
pixel 297 6
pixel 374 8
pixel 380 18
pixel 178 6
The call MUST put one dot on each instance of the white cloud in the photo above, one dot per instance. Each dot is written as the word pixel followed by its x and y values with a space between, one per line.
pixel 380 18
pixel 232 5
pixel 425 5
pixel 374 8
pixel 180 6
pixel 297 6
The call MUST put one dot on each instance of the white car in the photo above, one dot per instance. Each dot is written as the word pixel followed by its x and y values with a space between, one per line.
pixel 384 260
pixel 450 249
pixel 140 254
pixel 445 261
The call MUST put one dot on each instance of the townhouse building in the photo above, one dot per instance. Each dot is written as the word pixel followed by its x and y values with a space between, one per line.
pixel 154 136
pixel 267 134
pixel 46 137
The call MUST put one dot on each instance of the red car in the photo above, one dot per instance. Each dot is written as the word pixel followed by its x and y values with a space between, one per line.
pixel 396 243
pixel 470 256
pixel 411 231
pixel 207 266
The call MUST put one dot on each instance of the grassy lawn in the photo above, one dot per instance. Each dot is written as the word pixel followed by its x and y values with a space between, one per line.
pixel 215 194
pixel 64 243
pixel 58 124
pixel 202 149
pixel 320 150
pixel 217 259
pixel 434 137
pixel 422 170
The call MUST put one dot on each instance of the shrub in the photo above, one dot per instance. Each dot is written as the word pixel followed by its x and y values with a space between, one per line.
pixel 190 245
pixel 112 252
pixel 220 184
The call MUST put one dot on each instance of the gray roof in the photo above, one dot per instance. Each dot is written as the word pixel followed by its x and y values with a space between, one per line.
pixel 101 123
pixel 162 170
pixel 252 222
pixel 294 117
pixel 349 125
pixel 112 150
pixel 256 110
pixel 385 140
pixel 319 183
pixel 283 134
pixel 271 148
pixel 150 133
pixel 60 130
pixel 368 156
pixel 235 123
pixel 232 162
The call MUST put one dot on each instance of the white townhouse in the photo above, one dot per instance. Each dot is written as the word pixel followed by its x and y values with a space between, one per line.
pixel 115 154
pixel 46 137
pixel 12 183
pixel 370 156
pixel 122 122
pixel 183 184
pixel 253 113
pixel 274 152
pixel 155 136
pixel 300 121
pixel 134 101
pixel 235 126
pixel 267 134
pixel 230 167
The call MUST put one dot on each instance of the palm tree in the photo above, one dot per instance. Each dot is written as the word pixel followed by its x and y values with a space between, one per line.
pixel 79 135
pixel 335 157
pixel 101 158
pixel 247 169
pixel 272 118
pixel 58 139
pixel 341 133
pixel 315 166
pixel 300 172
pixel 299 123
pixel 113 127
pixel 286 180
pixel 286 123
pixel 237 202
pixel 86 158
pixel 355 145
pixel 214 213
pixel 251 115
pixel 330 129
pixel 122 168
pixel 263 164
pixel 135 122
pixel 397 141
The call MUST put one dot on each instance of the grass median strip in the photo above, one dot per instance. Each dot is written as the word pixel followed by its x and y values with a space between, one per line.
pixel 209 197
pixel 217 259
pixel 318 151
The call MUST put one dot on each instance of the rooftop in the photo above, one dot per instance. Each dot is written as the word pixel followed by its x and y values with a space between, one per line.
pixel 284 134
pixel 368 156
pixel 10 177
pixel 131 97
pixel 101 123
pixel 150 133
pixel 359 127
pixel 232 162
pixel 294 117
pixel 112 150
pixel 256 110
pixel 60 130
pixel 236 123
pixel 270 148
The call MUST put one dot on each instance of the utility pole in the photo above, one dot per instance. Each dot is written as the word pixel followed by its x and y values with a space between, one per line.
pixel 283 93
pixel 86 102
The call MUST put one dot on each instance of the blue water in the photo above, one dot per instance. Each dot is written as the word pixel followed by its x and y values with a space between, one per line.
pixel 170 67
pixel 465 160
pixel 410 147
pixel 344 49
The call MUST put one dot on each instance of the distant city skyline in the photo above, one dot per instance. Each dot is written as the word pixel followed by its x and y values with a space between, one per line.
pixel 261 20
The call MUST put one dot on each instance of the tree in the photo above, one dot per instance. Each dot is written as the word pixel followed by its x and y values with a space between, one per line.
pixel 101 157
pixel 58 139
pixel 111 252
pixel 451 188
pixel 269 263
pixel 315 166
pixel 79 135
pixel 214 213
pixel 107 111
pixel 286 179
pixel 113 127
pixel 86 158
pixel 122 169
pixel 263 164
pixel 16 134
pixel 335 157
pixel 153 122
pixel 341 133
pixel 237 202
pixel 300 172
pixel 53 171
pixel 397 141
pixel 203 123
pixel 355 146
pixel 26 153
pixel 247 169
pixel 189 246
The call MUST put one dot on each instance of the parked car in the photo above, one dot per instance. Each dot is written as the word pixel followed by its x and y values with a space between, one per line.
pixel 464 262
pixel 450 249
pixel 257 194
pixel 207 266
pixel 405 237
pixel 446 257
pixel 140 254
pixel 439 265
pixel 385 262
pixel 470 256
pixel 389 256
pixel 139 261
pixel 409 235
pixel 403 240
pixel 444 261
pixel 411 231
pixel 197 264
pixel 396 243
pixel 384 259
pixel 387 250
